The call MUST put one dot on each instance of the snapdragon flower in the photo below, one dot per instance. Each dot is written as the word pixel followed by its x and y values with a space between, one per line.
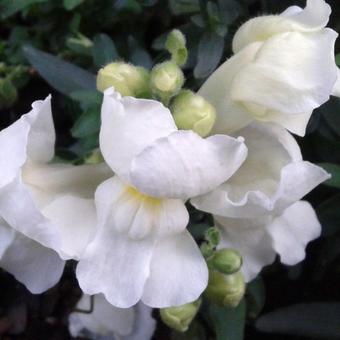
pixel 109 322
pixel 41 203
pixel 142 250
pixel 283 68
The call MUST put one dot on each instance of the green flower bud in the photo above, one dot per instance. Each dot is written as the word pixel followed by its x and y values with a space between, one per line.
pixel 176 45
pixel 193 112
pixel 96 157
pixel 180 318
pixel 128 80
pixel 166 80
pixel 225 290
pixel 226 261
pixel 8 93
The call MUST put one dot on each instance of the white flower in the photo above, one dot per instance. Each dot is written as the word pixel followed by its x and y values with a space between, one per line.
pixel 135 323
pixel 141 250
pixel 283 68
pixel 273 177
pixel 259 239
pixel 42 201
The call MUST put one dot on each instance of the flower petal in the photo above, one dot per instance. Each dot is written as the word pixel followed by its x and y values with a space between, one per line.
pixel 105 319
pixel 13 141
pixel 272 177
pixel 178 272
pixel 37 267
pixel 114 264
pixel 216 89
pixel 41 139
pixel 284 85
pixel 128 126
pixel 251 239
pixel 185 165
pixel 75 219
pixel 293 230
pixel 312 18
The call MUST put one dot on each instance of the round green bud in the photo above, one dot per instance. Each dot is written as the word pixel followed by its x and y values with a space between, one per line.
pixel 8 93
pixel 176 45
pixel 128 80
pixel 225 290
pixel 166 80
pixel 179 318
pixel 226 261
pixel 193 112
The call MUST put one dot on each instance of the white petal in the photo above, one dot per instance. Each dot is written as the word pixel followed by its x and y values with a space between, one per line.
pixel 336 88
pixel 185 165
pixel 7 235
pixel 37 267
pixel 282 83
pixel 41 137
pixel 311 19
pixel 18 209
pixel 144 323
pixel 128 126
pixel 47 181
pixel 13 141
pixel 272 177
pixel 105 320
pixel 75 219
pixel 117 266
pixel 251 239
pixel 292 231
pixel 178 273
pixel 216 89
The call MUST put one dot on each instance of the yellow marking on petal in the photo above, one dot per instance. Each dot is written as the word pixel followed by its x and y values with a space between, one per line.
pixel 152 201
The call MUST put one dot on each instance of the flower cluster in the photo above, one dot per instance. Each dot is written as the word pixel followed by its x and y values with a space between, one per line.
pixel 227 149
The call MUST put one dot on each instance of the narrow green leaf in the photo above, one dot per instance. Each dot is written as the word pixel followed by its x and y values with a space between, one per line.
pixel 138 54
pixel 87 124
pixel 63 76
pixel 10 7
pixel 87 99
pixel 180 7
pixel 71 4
pixel 209 54
pixel 334 170
pixel 228 322
pixel 255 296
pixel 310 320
pixel 104 50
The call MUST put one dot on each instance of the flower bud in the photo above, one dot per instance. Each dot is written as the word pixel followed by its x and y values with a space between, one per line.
pixel 128 80
pixel 8 93
pixel 180 318
pixel 193 112
pixel 166 80
pixel 176 45
pixel 226 261
pixel 225 290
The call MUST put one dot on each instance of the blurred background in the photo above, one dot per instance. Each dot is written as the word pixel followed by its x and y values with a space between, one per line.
pixel 37 37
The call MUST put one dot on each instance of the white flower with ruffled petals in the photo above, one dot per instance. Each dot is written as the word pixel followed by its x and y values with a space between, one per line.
pixel 142 250
pixel 283 68
pixel 45 209
pixel 259 239
pixel 109 322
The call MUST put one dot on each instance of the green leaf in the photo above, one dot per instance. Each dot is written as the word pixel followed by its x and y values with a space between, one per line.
pixel 329 215
pixel 180 7
pixel 63 76
pixel 104 50
pixel 86 98
pixel 334 170
pixel 10 7
pixel 337 59
pixel 138 54
pixel 87 124
pixel 330 112
pixel 71 4
pixel 210 51
pixel 311 320
pixel 228 322
pixel 255 296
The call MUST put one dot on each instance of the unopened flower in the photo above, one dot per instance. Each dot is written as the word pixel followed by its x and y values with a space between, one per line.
pixel 105 320
pixel 283 68
pixel 142 250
